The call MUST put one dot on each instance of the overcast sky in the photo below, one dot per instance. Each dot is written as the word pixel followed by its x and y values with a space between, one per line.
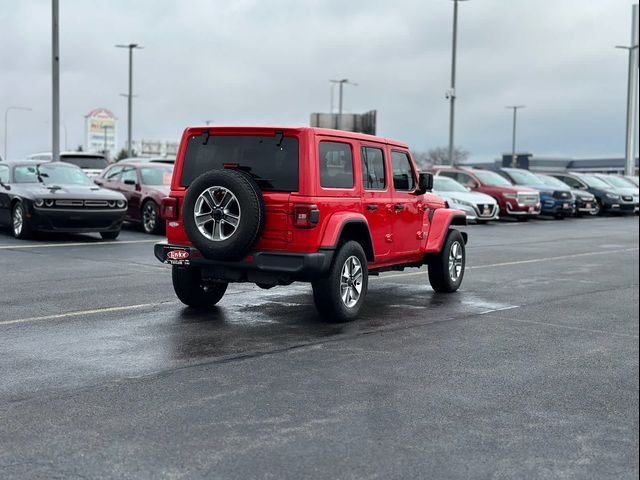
pixel 268 62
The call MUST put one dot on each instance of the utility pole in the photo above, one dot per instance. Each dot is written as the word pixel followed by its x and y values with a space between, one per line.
pixel 451 94
pixel 6 128
pixel 55 83
pixel 632 98
pixel 341 83
pixel 515 108
pixel 129 96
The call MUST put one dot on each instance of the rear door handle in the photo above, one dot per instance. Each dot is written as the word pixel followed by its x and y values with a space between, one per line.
pixel 371 208
pixel 399 206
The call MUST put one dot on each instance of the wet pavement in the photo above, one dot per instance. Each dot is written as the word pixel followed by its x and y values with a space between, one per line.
pixel 531 370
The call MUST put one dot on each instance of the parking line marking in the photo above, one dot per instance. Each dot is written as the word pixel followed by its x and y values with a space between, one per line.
pixel 570 327
pixel 79 313
pixel 76 244
pixel 522 262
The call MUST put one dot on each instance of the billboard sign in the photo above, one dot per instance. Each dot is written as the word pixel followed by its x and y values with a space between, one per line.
pixel 100 131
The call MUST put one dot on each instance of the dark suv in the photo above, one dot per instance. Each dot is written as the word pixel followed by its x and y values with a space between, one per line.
pixel 272 206
pixel 608 198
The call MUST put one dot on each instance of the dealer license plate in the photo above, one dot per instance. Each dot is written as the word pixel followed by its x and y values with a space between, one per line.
pixel 176 256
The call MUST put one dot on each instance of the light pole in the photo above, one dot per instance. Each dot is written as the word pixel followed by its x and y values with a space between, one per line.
pixel 341 83
pixel 6 120
pixel 129 96
pixel 55 83
pixel 451 94
pixel 513 139
pixel 632 100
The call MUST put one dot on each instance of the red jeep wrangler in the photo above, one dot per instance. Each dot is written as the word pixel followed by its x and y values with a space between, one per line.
pixel 272 206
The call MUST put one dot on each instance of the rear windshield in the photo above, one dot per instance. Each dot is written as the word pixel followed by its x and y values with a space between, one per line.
pixel 96 163
pixel 272 161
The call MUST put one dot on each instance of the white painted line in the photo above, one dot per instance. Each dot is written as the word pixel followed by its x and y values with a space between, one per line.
pixel 79 313
pixel 76 244
pixel 521 262
pixel 570 327
pixel 550 259
pixel 499 309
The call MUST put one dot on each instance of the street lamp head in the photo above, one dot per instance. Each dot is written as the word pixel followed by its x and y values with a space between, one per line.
pixel 131 45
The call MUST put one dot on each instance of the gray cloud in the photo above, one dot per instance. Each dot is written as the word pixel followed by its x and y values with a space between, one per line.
pixel 259 62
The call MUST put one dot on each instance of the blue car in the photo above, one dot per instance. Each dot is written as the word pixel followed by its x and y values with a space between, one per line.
pixel 557 202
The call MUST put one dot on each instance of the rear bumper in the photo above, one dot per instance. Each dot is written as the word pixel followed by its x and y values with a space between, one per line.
pixel 270 268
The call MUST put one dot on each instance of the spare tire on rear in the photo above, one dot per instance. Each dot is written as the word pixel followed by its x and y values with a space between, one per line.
pixel 223 214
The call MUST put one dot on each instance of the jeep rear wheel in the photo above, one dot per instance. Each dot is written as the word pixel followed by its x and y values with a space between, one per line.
pixel 223 214
pixel 446 269
pixel 340 295
pixel 192 291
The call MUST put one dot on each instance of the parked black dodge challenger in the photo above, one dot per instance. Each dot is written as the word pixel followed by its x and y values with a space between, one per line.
pixel 56 197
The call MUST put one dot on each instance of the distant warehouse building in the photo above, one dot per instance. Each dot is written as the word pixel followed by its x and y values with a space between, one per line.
pixel 557 164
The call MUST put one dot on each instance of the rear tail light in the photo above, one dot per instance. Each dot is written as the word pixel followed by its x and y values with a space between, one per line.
pixel 169 208
pixel 305 216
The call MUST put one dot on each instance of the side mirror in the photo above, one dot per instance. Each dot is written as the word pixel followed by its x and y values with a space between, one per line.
pixel 425 183
pixel 98 182
pixel 129 182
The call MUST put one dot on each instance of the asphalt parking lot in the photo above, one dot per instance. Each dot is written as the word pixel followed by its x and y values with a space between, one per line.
pixel 529 371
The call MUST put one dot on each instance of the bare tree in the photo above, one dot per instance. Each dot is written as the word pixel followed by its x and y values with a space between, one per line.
pixel 439 156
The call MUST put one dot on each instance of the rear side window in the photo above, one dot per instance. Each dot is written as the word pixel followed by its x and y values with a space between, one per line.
pixel 373 174
pixel 272 161
pixel 403 178
pixel 336 165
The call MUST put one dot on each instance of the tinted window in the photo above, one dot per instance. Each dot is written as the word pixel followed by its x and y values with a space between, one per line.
pixel 82 161
pixel 271 161
pixel 156 175
pixel 4 174
pixel 129 173
pixel 572 182
pixel 336 165
pixel 403 178
pixel 113 174
pixel 373 174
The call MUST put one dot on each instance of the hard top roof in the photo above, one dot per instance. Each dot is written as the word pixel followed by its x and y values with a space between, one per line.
pixel 315 130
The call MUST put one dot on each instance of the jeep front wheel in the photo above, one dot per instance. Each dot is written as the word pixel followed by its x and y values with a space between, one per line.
pixel 446 269
pixel 192 291
pixel 340 295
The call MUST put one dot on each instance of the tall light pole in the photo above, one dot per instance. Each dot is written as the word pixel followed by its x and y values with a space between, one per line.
pixel 513 139
pixel 55 83
pixel 632 99
pixel 451 94
pixel 6 123
pixel 129 96
pixel 341 83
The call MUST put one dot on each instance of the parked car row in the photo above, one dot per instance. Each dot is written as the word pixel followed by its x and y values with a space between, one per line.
pixel 485 195
pixel 37 195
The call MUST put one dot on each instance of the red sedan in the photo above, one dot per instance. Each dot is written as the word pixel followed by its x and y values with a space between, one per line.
pixel 144 184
